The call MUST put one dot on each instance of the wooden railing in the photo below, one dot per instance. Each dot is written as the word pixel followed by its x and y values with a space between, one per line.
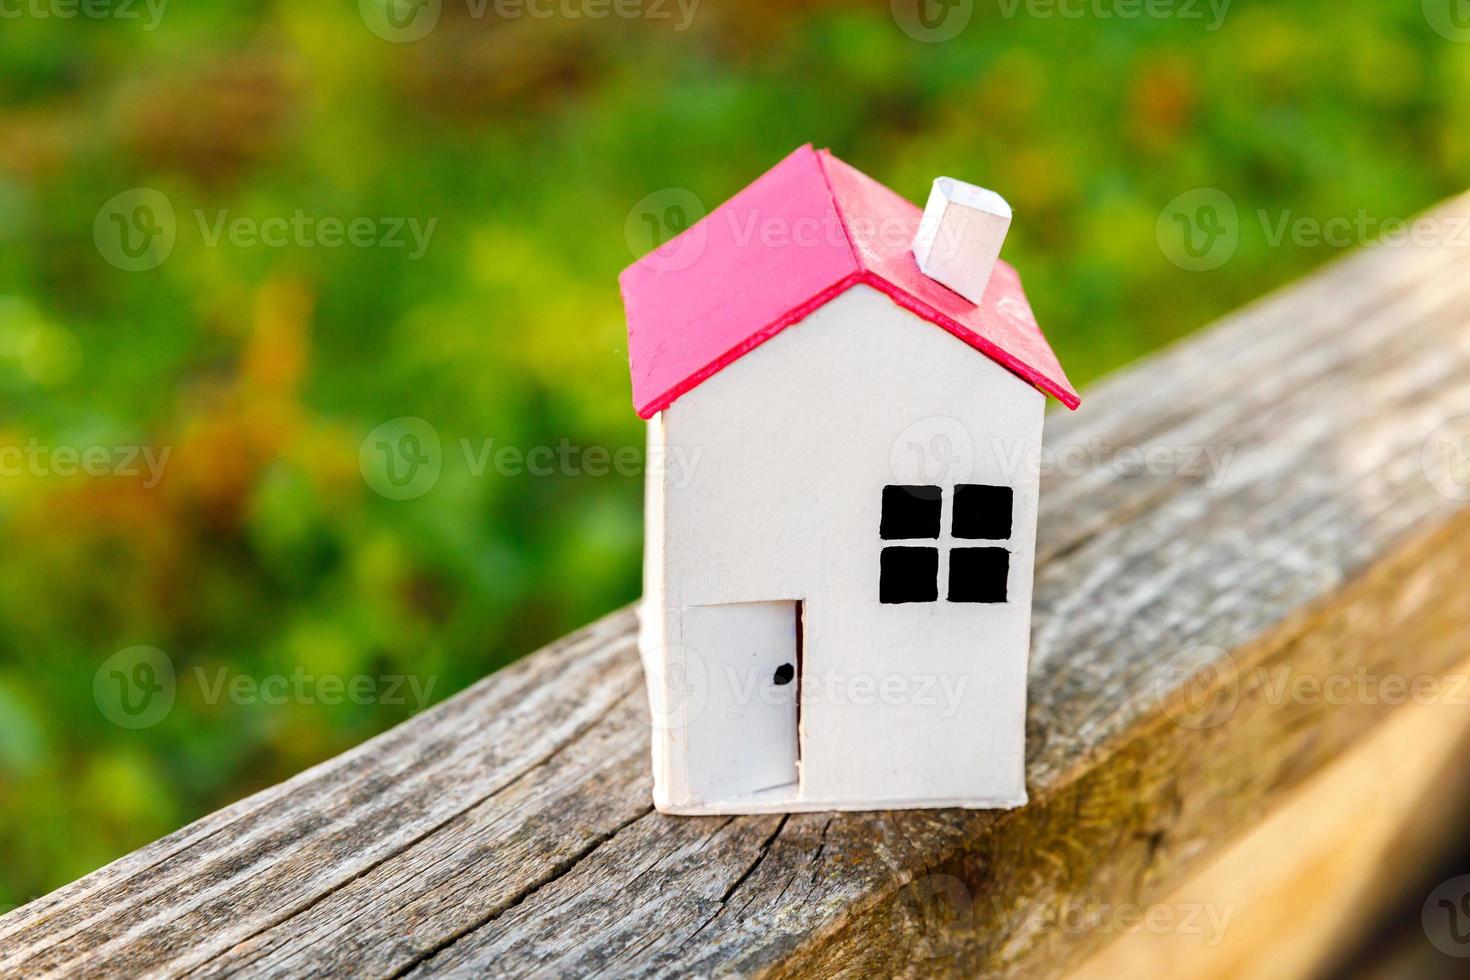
pixel 1270 505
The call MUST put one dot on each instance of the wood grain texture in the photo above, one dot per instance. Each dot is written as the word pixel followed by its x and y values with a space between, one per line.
pixel 1363 832
pixel 508 831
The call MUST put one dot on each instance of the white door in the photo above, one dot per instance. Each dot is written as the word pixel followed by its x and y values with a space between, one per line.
pixel 743 738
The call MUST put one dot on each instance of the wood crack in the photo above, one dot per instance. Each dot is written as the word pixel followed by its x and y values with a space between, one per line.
pixel 558 871
pixel 761 856
pixel 524 773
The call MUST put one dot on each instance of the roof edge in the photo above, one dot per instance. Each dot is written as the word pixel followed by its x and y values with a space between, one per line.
pixel 900 297
pixel 794 315
pixel 1062 393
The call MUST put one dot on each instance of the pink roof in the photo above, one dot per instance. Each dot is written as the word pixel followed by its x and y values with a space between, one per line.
pixel 806 231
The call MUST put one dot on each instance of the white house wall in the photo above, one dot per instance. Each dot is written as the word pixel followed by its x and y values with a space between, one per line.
pixel 770 488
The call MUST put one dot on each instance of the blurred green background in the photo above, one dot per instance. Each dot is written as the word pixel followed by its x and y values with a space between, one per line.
pixel 264 549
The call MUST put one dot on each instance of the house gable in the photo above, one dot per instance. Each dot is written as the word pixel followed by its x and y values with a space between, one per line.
pixel 803 233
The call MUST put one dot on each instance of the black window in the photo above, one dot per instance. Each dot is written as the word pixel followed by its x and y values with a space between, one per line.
pixel 982 511
pixel 978 574
pixel 910 573
pixel 910 512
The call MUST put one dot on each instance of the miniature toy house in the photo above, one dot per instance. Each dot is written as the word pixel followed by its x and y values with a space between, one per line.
pixel 838 574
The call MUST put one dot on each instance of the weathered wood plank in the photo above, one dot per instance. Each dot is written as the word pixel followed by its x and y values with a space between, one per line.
pixel 508 830
pixel 1293 897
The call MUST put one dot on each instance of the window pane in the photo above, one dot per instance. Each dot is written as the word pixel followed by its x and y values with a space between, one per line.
pixel 909 575
pixel 978 574
pixel 910 512
pixel 982 511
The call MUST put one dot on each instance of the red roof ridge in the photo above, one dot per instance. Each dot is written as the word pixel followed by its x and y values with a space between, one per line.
pixel 682 329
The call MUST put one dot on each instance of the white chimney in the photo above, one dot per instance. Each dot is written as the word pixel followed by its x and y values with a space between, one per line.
pixel 960 236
